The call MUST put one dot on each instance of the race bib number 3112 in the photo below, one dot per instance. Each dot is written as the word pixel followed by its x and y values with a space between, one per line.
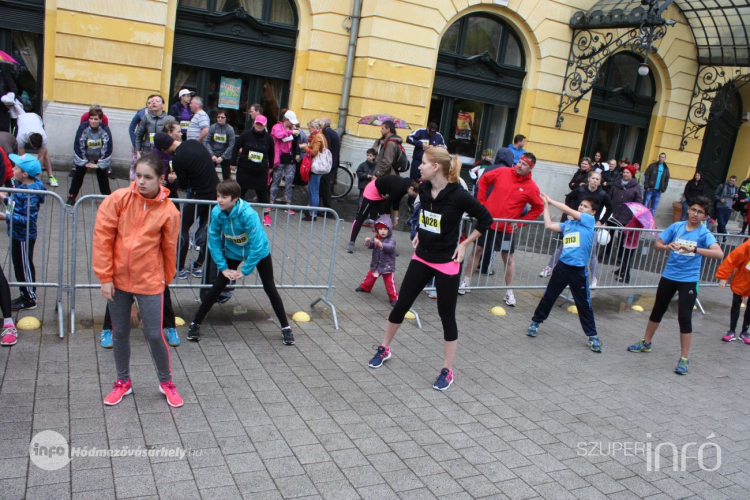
pixel 430 221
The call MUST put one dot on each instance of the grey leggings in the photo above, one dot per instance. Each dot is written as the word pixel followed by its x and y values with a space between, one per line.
pixel 288 172
pixel 151 310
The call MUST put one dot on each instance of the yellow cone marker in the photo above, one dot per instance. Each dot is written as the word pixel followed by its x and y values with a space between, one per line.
pixel 498 311
pixel 301 317
pixel 28 323
pixel 637 308
pixel 179 321
pixel 410 315
pixel 573 309
pixel 695 308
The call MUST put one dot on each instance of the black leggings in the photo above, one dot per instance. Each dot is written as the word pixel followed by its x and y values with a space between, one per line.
pixel 80 172
pixel 367 208
pixel 265 271
pixel 189 213
pixel 226 169
pixel 416 278
pixel 263 196
pixel 664 293
pixel 734 315
pixel 4 295
pixel 167 318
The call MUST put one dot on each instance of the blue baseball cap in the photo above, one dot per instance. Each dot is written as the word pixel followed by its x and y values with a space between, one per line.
pixel 27 163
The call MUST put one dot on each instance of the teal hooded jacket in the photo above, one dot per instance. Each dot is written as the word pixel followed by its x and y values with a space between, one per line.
pixel 244 238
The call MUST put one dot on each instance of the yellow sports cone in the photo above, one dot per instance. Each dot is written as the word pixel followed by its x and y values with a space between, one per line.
pixel 28 323
pixel 301 317
pixel 410 315
pixel 179 321
pixel 573 309
pixel 498 311
pixel 637 308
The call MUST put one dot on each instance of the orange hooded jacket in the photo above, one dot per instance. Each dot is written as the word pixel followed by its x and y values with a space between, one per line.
pixel 739 261
pixel 135 241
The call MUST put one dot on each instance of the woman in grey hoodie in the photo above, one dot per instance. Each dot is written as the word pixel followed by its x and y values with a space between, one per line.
pixel 220 143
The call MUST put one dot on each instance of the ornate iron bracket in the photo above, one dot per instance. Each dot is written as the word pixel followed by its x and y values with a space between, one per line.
pixel 710 99
pixel 589 50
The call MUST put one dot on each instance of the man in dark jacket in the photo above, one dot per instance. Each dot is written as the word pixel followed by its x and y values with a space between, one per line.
pixel 655 182
pixel 195 170
pixel 334 145
pixel 388 147
pixel 422 139
pixel 725 195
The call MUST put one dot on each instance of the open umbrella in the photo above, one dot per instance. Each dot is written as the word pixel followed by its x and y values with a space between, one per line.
pixel 5 58
pixel 642 214
pixel 378 120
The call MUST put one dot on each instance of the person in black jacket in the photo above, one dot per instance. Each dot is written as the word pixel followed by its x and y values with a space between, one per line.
pixel 366 172
pixel 694 187
pixel 580 178
pixel 253 158
pixel 195 172
pixel 379 197
pixel 334 145
pixel 438 253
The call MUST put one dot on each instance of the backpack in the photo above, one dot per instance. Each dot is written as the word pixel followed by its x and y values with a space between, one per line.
pixel 401 162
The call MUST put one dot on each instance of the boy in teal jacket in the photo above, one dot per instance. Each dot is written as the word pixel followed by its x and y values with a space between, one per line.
pixel 238 224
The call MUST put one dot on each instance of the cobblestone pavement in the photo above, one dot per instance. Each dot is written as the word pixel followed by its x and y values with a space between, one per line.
pixel 525 418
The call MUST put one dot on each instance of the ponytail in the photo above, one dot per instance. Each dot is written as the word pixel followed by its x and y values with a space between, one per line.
pixel 451 165
pixel 454 171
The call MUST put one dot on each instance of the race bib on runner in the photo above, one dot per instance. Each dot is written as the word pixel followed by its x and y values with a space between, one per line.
pixel 94 143
pixel 572 240
pixel 220 138
pixel 184 124
pixel 430 221
pixel 239 239
pixel 687 243
pixel 151 137
pixel 255 156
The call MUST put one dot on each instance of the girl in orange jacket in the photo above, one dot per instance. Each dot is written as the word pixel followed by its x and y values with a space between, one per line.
pixel 135 250
pixel 738 262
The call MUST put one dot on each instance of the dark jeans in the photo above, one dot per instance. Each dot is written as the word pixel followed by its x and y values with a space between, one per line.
pixel 226 170
pixel 325 190
pixel 722 217
pixel 80 172
pixel 189 214
pixel 578 280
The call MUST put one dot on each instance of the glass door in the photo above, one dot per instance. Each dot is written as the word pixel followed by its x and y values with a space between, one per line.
pixel 463 136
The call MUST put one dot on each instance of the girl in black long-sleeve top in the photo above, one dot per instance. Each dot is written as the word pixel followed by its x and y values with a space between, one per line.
pixel 438 253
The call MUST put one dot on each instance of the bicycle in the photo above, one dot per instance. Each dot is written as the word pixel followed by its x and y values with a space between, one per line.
pixel 342 181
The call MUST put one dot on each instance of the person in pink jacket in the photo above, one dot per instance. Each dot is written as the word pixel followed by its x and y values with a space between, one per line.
pixel 284 135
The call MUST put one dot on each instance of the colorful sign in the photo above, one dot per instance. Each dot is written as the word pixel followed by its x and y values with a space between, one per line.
pixel 229 93
pixel 464 124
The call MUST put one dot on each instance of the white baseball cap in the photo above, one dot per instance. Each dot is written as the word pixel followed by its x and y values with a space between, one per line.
pixel 292 117
pixel 185 92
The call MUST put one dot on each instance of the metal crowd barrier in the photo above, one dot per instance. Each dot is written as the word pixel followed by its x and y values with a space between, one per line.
pixel 304 253
pixel 50 224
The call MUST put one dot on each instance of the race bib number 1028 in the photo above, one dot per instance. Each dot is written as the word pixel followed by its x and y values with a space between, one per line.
pixel 430 221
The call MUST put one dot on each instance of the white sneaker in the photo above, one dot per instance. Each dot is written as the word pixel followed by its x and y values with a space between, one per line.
pixel 593 283
pixel 53 181
pixel 510 299
pixel 462 288
pixel 546 272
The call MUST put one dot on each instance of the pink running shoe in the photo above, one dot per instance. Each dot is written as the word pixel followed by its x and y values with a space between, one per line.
pixel 729 337
pixel 119 389
pixel 290 212
pixel 9 336
pixel 266 220
pixel 745 338
pixel 170 391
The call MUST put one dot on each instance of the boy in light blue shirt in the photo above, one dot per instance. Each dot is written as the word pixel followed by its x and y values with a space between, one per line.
pixel 687 243
pixel 572 269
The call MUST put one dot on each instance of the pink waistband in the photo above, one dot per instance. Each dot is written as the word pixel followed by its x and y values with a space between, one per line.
pixel 448 268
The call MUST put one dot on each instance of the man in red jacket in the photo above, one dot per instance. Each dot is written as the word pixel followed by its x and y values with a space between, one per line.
pixel 505 192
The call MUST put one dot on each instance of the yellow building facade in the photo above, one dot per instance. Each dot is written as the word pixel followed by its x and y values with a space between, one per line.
pixel 118 53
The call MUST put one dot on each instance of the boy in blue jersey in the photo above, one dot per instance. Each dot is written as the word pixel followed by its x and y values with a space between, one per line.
pixel 572 269
pixel 687 242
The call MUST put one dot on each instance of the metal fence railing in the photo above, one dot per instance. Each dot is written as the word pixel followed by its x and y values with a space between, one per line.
pixel 304 253
pixel 47 246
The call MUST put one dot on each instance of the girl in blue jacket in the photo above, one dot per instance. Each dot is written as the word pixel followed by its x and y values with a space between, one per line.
pixel 244 240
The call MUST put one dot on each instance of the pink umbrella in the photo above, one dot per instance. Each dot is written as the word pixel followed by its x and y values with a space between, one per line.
pixel 5 58
pixel 642 214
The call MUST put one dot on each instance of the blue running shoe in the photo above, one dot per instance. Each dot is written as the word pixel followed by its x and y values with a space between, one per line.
pixel 172 338
pixel 182 274
pixel 682 366
pixel 383 354
pixel 106 338
pixel 198 271
pixel 595 344
pixel 444 380
pixel 640 346
pixel 533 328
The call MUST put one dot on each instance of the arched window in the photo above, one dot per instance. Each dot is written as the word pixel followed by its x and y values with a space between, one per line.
pixel 270 11
pixel 478 34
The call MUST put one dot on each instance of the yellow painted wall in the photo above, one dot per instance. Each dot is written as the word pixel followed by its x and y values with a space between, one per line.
pixel 123 52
